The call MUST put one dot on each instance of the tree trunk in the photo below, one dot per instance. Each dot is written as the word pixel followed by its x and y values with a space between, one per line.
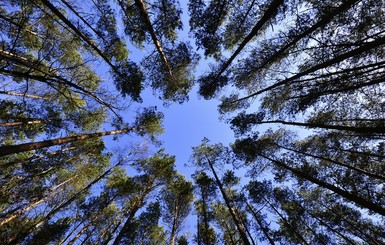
pixel 12 124
pixel 376 176
pixel 345 194
pixel 361 130
pixel 25 95
pixel 237 222
pixel 322 22
pixel 33 205
pixel 263 228
pixel 174 224
pixel 291 80
pixel 132 213
pixel 11 149
pixel 287 222
pixel 146 19
pixel 80 34
pixel 272 9
pixel 36 157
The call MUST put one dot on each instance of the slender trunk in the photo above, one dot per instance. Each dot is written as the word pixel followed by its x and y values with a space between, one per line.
pixel 286 222
pixel 25 95
pixel 11 149
pixel 132 213
pixel 12 124
pixel 146 19
pixel 369 154
pixel 127 224
pixel 269 13
pixel 72 232
pixel 198 233
pixel 33 205
pixel 47 77
pixel 291 80
pixel 340 89
pixel 229 232
pixel 80 34
pixel 323 223
pixel 82 19
pixel 345 194
pixel 248 232
pixel 356 231
pixel 376 176
pixel 205 219
pixel 174 224
pixel 322 22
pixel 237 222
pixel 263 228
pixel 80 233
pixel 361 130
pixel 242 22
pixel 54 153
pixel 63 205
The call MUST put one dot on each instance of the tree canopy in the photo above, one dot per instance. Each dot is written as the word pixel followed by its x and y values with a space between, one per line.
pixel 299 82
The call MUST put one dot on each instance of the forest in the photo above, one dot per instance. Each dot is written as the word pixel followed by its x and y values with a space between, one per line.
pixel 299 83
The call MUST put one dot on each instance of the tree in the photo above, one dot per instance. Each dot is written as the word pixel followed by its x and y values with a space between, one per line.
pixel 208 155
pixel 156 23
pixel 178 197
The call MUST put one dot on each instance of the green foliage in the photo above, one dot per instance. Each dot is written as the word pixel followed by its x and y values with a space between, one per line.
pixel 314 68
pixel 149 122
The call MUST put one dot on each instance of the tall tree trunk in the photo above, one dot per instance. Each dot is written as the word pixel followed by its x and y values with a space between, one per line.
pixel 54 153
pixel 269 13
pixel 229 231
pixel 26 95
pixel 132 213
pixel 174 224
pixel 63 205
pixel 33 205
pixel 361 130
pixel 205 220
pixel 354 228
pixel 12 124
pixel 376 176
pixel 146 19
pixel 322 22
pixel 11 149
pixel 287 222
pixel 80 34
pixel 323 223
pixel 367 46
pixel 237 222
pixel 259 222
pixel 47 77
pixel 345 194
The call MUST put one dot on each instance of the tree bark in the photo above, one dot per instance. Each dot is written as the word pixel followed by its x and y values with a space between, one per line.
pixel 237 222
pixel 12 124
pixel 364 48
pixel 361 130
pixel 174 224
pixel 345 194
pixel 272 9
pixel 322 22
pixel 33 205
pixel 131 215
pixel 146 19
pixel 25 95
pixel 263 228
pixel 11 149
